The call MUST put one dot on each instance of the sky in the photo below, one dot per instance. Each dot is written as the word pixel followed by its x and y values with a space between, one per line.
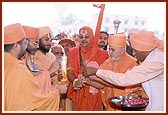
pixel 40 14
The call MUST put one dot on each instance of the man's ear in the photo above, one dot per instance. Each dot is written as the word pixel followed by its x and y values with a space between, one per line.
pixel 16 46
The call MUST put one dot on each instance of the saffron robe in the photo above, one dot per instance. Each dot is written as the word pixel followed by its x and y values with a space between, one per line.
pixel 150 73
pixel 82 100
pixel 43 76
pixel 22 92
pixel 125 63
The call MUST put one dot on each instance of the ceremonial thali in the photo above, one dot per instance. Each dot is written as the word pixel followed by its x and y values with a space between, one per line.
pixel 129 101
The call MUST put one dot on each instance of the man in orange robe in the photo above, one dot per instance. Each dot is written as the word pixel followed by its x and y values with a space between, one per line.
pixel 87 98
pixel 119 61
pixel 46 61
pixel 83 99
pixel 21 91
pixel 42 77
pixel 60 56
pixel 149 50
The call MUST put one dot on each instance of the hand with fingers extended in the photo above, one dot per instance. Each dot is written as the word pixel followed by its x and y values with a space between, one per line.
pixel 55 66
pixel 79 82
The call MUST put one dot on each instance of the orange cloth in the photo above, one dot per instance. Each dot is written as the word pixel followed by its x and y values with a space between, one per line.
pixel 90 47
pixel 98 27
pixel 13 33
pixel 117 40
pixel 43 78
pixel 94 38
pixel 44 81
pixel 99 23
pixel 82 99
pixel 127 62
pixel 132 30
pixel 31 32
pixel 44 61
pixel 145 41
pixel 44 30
pixel 21 91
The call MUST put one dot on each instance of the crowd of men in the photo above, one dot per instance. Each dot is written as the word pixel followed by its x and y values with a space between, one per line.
pixel 80 73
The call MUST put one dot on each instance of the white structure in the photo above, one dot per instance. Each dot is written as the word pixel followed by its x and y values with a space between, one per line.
pixel 126 22
pixel 107 24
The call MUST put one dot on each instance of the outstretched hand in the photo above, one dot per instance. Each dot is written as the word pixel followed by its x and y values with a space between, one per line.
pixel 88 71
pixel 102 6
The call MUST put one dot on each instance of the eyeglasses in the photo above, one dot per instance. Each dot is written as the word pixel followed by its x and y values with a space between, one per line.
pixel 83 36
pixel 34 42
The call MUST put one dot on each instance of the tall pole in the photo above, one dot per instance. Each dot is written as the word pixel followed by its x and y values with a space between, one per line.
pixel 116 25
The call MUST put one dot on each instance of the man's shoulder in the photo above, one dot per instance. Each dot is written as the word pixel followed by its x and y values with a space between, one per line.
pixel 74 48
pixel 129 57
pixel 18 67
pixel 102 51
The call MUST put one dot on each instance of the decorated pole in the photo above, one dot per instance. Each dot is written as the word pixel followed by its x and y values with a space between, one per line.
pixel 116 25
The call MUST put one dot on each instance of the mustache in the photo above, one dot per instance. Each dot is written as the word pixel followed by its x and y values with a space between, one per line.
pixel 102 42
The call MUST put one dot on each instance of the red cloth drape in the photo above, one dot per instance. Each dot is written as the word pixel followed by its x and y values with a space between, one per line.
pixel 82 99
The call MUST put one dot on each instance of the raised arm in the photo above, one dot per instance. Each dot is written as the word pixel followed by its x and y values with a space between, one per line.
pixel 138 74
